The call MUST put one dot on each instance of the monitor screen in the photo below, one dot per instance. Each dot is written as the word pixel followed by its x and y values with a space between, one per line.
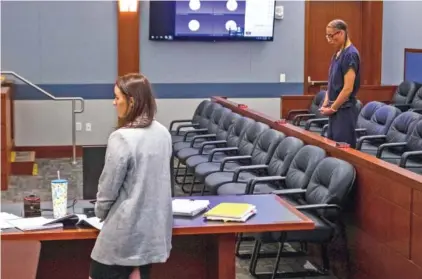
pixel 197 20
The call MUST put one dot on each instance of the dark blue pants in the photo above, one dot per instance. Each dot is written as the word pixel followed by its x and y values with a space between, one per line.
pixel 342 125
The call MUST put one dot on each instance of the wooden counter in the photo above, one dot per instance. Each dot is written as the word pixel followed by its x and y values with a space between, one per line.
pixel 201 249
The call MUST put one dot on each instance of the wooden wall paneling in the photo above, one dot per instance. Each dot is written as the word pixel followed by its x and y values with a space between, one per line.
pixel 128 41
pixel 288 103
pixel 381 93
pixel 416 240
pixel 6 135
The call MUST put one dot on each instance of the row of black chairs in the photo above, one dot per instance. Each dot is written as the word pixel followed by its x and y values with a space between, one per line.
pixel 391 135
pixel 408 97
pixel 311 119
pixel 229 154
pixel 384 131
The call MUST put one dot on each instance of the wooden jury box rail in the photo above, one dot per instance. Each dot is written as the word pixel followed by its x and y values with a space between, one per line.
pixel 386 213
pixel 355 157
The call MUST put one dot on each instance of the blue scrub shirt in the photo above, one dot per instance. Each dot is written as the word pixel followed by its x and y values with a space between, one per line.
pixel 348 59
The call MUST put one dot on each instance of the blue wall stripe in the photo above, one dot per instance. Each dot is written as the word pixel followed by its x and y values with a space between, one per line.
pixel 165 90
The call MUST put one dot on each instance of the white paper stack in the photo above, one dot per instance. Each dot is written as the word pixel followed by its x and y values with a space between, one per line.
pixel 34 224
pixel 185 207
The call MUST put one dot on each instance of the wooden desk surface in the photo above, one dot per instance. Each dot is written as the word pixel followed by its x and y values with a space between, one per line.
pixel 273 214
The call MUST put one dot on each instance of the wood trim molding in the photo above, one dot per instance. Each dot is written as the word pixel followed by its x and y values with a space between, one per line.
pixel 51 152
pixel 306 48
pixel 128 41
pixel 411 50
pixel 371 53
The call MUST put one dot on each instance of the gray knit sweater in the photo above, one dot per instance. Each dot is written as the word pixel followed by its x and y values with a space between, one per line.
pixel 134 198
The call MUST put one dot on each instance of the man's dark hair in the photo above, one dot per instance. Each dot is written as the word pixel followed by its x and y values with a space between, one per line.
pixel 141 102
pixel 340 24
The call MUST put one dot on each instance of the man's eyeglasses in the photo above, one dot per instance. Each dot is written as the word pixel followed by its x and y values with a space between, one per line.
pixel 331 36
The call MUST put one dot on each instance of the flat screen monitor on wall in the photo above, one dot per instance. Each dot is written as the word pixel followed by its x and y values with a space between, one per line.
pixel 218 20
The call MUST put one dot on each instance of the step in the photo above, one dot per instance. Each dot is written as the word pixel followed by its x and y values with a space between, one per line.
pixel 23 163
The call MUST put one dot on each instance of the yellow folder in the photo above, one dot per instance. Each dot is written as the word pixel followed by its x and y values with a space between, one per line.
pixel 230 210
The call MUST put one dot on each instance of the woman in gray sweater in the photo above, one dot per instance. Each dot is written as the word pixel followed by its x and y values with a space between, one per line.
pixel 134 191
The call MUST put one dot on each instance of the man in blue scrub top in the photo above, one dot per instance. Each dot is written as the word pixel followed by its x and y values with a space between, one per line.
pixel 343 84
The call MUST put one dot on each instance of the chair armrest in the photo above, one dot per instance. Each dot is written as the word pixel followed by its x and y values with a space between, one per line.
pixel 360 132
pixel 221 149
pixel 179 121
pixel 402 107
pixel 417 110
pixel 286 192
pixel 324 129
pixel 204 136
pixel 317 206
pixel 309 122
pixel 296 111
pixel 300 117
pixel 238 170
pixel 233 159
pixel 383 146
pixel 250 187
pixel 208 143
pixel 406 155
pixel 194 125
pixel 364 138
pixel 196 131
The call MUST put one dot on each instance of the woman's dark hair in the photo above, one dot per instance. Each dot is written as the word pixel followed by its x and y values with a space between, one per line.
pixel 340 24
pixel 140 99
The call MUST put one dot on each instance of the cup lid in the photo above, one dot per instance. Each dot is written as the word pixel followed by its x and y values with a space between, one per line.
pixel 59 181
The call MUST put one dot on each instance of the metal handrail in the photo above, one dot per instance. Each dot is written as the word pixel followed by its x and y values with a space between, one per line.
pixel 73 99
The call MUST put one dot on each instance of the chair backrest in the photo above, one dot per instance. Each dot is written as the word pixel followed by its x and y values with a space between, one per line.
pixel 417 99
pixel 303 166
pixel 200 110
pixel 248 141
pixel 265 146
pixel 316 104
pixel 225 124
pixel 237 130
pixel 414 142
pixel 404 92
pixel 216 118
pixel 283 156
pixel 366 113
pixel 381 120
pixel 401 128
pixel 209 110
pixel 330 183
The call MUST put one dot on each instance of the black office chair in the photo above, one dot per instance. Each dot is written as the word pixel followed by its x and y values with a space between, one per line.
pixel 279 165
pixel 242 153
pixel 202 123
pixel 298 116
pixel 406 154
pixel 324 197
pixel 261 155
pixel 399 131
pixel 404 94
pixel 213 141
pixel 226 147
pixel 194 120
pixel 203 134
